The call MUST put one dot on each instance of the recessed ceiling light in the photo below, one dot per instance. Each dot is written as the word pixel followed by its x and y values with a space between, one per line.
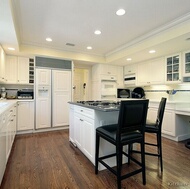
pixel 97 32
pixel 120 12
pixel 152 51
pixel 89 48
pixel 11 48
pixel 48 39
pixel 129 59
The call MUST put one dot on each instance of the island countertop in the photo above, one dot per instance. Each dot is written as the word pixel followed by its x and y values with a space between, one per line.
pixel 100 106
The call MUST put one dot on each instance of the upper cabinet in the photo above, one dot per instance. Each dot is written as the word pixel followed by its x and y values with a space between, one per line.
pixel 186 63
pixel 151 73
pixel 120 82
pixel 103 69
pixel 23 70
pixel 18 70
pixel 173 69
pixel 11 69
pixel 2 65
pixel 130 69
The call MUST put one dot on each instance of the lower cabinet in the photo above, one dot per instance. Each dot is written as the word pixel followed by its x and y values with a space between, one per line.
pixel 25 120
pixel 2 145
pixel 10 129
pixel 7 135
pixel 84 131
pixel 168 124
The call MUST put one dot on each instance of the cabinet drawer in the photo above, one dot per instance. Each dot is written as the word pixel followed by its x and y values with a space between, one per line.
pixel 84 111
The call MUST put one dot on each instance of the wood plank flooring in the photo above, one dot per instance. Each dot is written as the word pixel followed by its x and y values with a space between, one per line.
pixel 49 161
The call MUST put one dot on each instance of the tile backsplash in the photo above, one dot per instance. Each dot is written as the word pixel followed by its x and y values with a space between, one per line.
pixel 182 92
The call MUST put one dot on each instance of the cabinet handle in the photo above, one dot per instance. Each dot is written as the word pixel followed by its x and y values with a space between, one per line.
pixel 12 120
pixel 81 110
pixel 11 110
pixel 81 120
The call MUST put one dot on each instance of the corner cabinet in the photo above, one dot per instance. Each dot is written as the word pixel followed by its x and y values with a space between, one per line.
pixel 173 69
pixel 186 63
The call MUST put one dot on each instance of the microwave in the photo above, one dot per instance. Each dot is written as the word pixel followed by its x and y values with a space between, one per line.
pixel 130 79
pixel 123 93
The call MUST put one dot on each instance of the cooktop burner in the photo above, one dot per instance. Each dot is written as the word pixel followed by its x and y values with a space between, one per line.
pixel 99 103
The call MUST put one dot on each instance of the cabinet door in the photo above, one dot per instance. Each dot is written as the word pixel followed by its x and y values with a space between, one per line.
pixel 152 114
pixel 25 118
pixel 157 71
pixel 143 76
pixel 120 80
pixel 173 69
pixel 130 69
pixel 186 63
pixel 71 123
pixel 23 70
pixel 2 65
pixel 88 137
pixel 43 77
pixel 168 125
pixel 2 145
pixel 61 83
pixel 108 69
pixel 11 69
pixel 78 122
pixel 43 113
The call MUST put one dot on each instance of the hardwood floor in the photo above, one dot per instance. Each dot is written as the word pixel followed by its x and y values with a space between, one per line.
pixel 49 161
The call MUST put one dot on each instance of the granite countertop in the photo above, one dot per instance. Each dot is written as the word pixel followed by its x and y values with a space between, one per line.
pixel 108 108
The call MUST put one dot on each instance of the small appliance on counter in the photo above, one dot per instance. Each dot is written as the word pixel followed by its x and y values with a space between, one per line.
pixel 123 93
pixel 138 92
pixel 3 93
pixel 25 94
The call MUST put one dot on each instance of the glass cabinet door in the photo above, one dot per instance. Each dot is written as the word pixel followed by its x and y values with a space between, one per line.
pixel 187 63
pixel 173 68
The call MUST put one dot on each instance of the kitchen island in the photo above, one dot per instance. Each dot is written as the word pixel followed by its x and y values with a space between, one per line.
pixel 84 119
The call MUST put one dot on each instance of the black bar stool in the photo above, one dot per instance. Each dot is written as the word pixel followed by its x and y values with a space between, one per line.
pixel 129 130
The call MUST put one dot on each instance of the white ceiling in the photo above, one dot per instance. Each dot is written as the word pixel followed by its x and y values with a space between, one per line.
pixel 75 21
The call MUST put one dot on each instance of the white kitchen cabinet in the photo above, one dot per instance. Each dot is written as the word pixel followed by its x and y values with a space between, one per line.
pixel 11 69
pixel 168 125
pixel 43 98
pixel 2 65
pixel 130 69
pixel 23 70
pixel 152 72
pixel 43 77
pixel 10 129
pixel 173 69
pixel 25 115
pixel 61 88
pixel 120 79
pixel 71 124
pixel 2 145
pixel 103 69
pixel 186 63
pixel 17 70
pixel 84 131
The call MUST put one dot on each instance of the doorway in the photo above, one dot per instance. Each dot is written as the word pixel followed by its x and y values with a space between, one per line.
pixel 81 84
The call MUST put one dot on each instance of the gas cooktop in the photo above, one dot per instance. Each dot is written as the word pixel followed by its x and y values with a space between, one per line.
pixel 103 105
